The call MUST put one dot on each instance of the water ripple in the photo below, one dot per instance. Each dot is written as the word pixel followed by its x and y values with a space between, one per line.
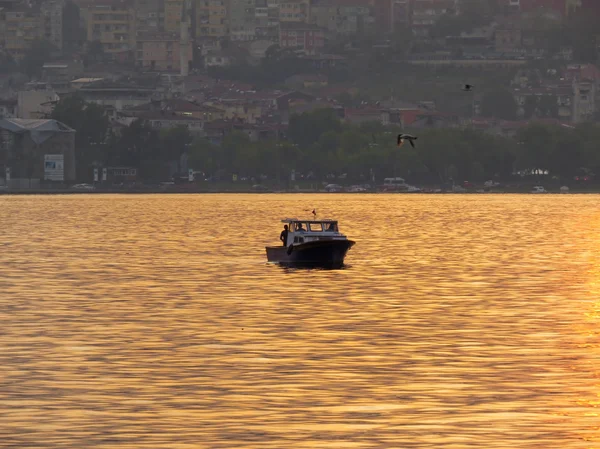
pixel 154 321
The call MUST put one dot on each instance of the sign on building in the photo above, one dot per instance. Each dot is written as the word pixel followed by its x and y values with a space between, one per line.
pixel 54 167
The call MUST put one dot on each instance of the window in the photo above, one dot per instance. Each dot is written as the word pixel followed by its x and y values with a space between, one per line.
pixel 316 227
pixel 295 226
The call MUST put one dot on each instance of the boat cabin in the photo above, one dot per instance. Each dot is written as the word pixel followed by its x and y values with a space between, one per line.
pixel 301 231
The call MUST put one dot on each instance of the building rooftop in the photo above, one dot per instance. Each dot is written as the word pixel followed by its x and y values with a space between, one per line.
pixel 86 80
pixel 104 84
pixel 167 115
pixel 40 130
pixel 174 105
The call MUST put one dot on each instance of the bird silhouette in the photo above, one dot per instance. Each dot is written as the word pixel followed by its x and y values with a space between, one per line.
pixel 409 137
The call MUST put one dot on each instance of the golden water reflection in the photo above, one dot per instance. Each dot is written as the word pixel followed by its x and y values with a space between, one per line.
pixel 154 322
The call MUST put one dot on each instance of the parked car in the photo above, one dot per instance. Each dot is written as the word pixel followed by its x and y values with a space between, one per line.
pixel 83 187
pixel 333 188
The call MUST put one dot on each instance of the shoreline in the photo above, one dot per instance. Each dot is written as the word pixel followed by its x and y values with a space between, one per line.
pixel 242 191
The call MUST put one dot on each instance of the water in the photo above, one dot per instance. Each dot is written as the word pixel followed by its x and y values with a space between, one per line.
pixel 154 322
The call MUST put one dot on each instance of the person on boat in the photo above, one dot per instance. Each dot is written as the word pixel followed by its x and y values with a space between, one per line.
pixel 300 228
pixel 284 235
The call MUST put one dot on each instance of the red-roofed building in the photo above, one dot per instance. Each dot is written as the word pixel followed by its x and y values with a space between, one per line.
pixel 310 39
pixel 400 117
pixel 179 107
pixel 582 72
pixel 363 115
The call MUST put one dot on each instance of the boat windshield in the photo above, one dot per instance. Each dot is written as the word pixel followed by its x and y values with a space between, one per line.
pixel 299 226
pixel 314 226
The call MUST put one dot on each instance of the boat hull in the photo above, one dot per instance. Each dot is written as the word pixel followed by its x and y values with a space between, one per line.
pixel 320 253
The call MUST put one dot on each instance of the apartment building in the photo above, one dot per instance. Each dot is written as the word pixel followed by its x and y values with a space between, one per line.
pixel 112 23
pixel 211 19
pixel 149 15
pixel 172 15
pixel 21 27
pixel 52 12
pixel 294 11
pixel 160 51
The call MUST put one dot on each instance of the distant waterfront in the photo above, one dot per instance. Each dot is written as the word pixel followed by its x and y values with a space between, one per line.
pixel 233 188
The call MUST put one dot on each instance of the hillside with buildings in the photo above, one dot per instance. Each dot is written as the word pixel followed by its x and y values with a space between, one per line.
pixel 231 72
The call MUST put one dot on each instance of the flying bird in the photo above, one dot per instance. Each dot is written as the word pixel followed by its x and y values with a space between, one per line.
pixel 467 87
pixel 410 138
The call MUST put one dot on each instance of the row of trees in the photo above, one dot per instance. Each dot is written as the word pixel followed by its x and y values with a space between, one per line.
pixel 319 143
pixel 139 145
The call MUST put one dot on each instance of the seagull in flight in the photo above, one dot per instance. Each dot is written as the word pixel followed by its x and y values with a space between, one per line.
pixel 468 87
pixel 409 137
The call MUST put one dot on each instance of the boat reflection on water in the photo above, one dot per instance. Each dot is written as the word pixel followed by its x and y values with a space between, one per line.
pixel 311 244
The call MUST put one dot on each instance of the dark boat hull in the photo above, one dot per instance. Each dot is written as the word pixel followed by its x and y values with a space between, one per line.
pixel 320 253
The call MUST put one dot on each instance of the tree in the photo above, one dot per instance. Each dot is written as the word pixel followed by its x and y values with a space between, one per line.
pixel 581 31
pixel 536 144
pixel 40 52
pixel 203 155
pixel 568 153
pixel 139 142
pixel 231 148
pixel 95 53
pixel 306 129
pixel 88 119
pixel 91 125
pixel 402 39
pixel 548 106
pixel 499 103
pixel 175 142
pixel 73 33
pixel 7 63
pixel 530 106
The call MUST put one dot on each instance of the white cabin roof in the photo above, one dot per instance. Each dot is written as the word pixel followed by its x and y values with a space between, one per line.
pixel 295 220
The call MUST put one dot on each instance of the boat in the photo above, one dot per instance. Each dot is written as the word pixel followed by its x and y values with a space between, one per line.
pixel 311 243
